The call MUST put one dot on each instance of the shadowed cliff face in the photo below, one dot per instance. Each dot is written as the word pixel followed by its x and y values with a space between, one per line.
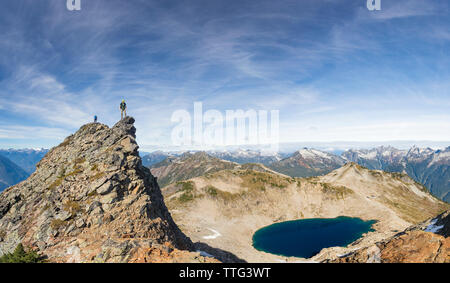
pixel 91 199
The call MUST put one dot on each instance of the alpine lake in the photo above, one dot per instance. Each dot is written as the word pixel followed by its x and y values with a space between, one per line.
pixel 307 237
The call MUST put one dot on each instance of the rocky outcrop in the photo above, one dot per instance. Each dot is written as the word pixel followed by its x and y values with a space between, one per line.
pixel 91 200
pixel 427 242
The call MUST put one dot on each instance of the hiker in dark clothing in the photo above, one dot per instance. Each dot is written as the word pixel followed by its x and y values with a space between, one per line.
pixel 123 109
pixel 95 119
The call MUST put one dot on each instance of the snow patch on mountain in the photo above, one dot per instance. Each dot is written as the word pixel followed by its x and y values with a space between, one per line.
pixel 433 228
pixel 440 157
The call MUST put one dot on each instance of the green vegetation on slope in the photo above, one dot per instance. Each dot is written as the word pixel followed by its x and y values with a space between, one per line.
pixel 187 189
pixel 21 256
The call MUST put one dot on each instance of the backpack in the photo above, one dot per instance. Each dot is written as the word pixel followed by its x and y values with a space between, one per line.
pixel 123 105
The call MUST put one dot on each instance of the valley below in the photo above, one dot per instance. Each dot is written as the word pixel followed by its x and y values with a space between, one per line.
pixel 224 209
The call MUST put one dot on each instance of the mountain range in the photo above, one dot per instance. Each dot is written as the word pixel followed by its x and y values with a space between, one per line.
pixel 17 164
pixel 152 158
pixel 426 166
pixel 191 165
pixel 238 156
pixel 10 173
pixel 187 166
pixel 248 156
pixel 308 162
pixel 25 158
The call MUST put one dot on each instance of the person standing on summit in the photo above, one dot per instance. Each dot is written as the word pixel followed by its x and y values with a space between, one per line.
pixel 123 109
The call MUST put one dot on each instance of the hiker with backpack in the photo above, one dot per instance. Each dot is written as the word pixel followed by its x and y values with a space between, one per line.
pixel 123 109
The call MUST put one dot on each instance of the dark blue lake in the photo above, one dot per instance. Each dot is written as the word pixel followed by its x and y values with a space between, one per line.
pixel 306 237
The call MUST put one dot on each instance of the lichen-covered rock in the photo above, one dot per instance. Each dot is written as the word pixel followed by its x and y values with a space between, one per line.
pixel 91 199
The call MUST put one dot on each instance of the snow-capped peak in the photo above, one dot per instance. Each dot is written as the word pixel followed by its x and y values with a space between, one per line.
pixel 309 153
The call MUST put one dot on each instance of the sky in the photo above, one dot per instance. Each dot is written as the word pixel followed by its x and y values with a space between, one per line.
pixel 335 70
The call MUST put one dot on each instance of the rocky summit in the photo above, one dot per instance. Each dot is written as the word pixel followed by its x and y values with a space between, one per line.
pixel 91 200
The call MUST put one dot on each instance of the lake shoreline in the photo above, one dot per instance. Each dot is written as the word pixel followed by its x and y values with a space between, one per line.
pixel 305 238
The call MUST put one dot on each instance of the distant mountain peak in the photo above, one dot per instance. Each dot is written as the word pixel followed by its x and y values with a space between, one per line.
pixel 314 153
pixel 25 158
pixel 243 156
pixel 308 162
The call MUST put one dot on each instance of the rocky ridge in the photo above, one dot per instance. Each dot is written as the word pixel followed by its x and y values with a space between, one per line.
pixel 188 165
pixel 91 200
pixel 427 242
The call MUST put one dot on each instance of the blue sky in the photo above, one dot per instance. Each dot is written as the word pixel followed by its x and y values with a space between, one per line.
pixel 334 70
